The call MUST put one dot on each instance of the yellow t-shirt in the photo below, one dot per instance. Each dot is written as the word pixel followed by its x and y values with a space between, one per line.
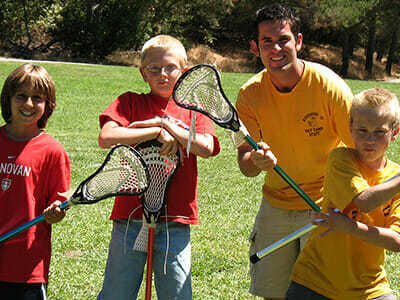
pixel 338 265
pixel 301 127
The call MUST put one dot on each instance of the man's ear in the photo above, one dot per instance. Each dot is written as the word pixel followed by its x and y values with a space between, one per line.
pixel 299 42
pixel 254 48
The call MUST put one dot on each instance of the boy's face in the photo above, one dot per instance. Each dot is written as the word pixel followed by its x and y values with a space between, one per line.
pixel 27 106
pixel 277 46
pixel 372 133
pixel 161 69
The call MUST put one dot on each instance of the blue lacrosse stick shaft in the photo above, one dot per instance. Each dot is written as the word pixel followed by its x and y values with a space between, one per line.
pixel 29 224
pixel 286 177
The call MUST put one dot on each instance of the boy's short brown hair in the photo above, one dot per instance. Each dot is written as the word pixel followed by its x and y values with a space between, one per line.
pixel 165 42
pixel 377 97
pixel 39 79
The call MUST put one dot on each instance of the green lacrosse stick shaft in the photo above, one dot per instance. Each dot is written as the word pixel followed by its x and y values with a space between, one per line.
pixel 286 177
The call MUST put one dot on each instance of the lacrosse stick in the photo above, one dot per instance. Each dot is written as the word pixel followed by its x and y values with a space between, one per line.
pixel 161 168
pixel 284 241
pixel 199 89
pixel 123 172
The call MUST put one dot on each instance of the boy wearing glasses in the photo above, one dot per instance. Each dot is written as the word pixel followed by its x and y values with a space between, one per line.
pixel 134 118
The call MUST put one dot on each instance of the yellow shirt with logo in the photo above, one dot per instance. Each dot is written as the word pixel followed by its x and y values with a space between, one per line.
pixel 301 127
pixel 338 265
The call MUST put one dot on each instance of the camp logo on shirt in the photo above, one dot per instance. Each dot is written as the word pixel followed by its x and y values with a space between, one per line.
pixel 312 124
pixel 5 184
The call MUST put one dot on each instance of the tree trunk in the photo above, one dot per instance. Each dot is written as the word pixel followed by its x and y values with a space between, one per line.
pixel 392 51
pixel 370 49
pixel 347 50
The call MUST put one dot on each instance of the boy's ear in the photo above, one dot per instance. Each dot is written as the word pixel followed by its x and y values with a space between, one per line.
pixel 185 69
pixel 395 133
pixel 254 48
pixel 143 74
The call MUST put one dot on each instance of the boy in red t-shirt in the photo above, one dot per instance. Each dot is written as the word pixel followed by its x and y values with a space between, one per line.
pixel 34 168
pixel 134 118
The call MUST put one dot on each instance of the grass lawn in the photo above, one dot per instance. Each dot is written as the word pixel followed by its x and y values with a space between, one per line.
pixel 228 201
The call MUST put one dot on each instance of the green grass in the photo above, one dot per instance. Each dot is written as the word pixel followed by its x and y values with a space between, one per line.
pixel 228 201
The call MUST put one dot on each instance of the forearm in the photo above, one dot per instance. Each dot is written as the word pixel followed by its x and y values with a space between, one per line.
pixel 202 145
pixel 111 136
pixel 381 237
pixel 377 195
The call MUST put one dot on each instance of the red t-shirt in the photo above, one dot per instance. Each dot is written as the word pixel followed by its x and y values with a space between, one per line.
pixel 31 174
pixel 182 193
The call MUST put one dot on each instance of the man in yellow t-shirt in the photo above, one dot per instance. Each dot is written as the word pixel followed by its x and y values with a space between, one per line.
pixel 344 257
pixel 298 112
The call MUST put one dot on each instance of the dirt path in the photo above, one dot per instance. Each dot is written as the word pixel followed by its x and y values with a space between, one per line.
pixel 40 61
pixel 64 62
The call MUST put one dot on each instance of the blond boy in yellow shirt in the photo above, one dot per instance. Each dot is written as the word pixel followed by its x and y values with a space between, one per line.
pixel 344 257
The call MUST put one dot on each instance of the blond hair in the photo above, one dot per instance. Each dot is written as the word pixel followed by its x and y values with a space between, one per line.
pixel 376 98
pixel 165 42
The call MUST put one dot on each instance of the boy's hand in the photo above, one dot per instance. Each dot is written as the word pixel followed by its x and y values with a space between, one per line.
pixel 334 221
pixel 170 144
pixel 53 214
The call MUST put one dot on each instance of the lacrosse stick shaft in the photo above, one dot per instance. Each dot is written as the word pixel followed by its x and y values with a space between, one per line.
pixel 282 242
pixel 29 224
pixel 286 177
pixel 149 272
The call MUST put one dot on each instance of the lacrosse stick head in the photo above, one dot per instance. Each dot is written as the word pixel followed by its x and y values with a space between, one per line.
pixel 123 172
pixel 200 89
pixel 161 169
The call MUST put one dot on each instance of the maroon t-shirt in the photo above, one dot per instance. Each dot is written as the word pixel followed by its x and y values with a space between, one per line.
pixel 31 175
pixel 182 193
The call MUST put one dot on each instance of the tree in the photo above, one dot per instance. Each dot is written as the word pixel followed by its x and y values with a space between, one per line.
pixel 24 24
pixel 392 51
pixel 343 16
pixel 370 48
pixel 94 28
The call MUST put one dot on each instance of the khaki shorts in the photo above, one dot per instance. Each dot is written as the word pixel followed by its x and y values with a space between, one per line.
pixel 270 276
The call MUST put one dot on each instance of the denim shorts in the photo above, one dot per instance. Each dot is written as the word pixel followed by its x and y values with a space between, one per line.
pixel 125 266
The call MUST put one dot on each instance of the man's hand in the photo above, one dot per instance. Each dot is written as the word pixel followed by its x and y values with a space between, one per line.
pixel 263 158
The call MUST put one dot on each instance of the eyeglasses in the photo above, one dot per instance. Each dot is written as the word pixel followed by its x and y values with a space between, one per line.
pixel 155 70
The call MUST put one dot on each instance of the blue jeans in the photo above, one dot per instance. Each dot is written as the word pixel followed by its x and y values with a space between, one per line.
pixel 124 271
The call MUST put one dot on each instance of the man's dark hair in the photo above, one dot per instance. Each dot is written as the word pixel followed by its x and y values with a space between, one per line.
pixel 277 12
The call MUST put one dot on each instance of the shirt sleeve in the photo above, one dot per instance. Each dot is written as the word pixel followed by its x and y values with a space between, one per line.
pixel 60 175
pixel 342 98
pixel 393 220
pixel 247 116
pixel 118 111
pixel 343 180
pixel 204 125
